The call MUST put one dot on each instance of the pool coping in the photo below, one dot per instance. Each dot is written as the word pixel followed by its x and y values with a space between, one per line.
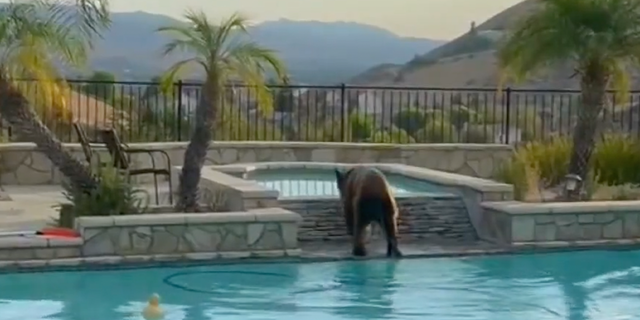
pixel 109 263
pixel 446 179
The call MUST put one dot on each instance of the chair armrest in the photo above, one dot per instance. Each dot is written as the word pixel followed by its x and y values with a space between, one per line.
pixel 150 152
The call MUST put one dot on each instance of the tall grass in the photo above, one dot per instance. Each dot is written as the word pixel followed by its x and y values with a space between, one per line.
pixel 544 164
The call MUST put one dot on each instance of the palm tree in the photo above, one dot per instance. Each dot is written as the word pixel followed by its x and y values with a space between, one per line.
pixel 601 38
pixel 224 53
pixel 32 35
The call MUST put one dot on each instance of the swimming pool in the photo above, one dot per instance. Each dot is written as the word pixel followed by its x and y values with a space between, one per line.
pixel 577 285
pixel 293 183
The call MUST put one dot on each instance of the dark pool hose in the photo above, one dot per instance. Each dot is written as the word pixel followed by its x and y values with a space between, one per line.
pixel 169 280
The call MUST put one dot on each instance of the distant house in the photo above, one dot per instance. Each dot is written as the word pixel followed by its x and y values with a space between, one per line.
pixel 93 114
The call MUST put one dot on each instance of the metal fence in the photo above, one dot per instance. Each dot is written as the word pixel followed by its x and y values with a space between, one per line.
pixel 142 112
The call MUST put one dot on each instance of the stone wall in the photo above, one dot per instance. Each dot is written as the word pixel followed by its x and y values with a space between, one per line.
pixel 516 222
pixel 38 248
pixel 21 164
pixel 421 217
pixel 270 231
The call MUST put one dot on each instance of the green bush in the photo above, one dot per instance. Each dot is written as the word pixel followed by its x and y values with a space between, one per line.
pixel 477 134
pixel 361 127
pixel 394 135
pixel 461 115
pixel 614 162
pixel 550 157
pixel 437 132
pixel 114 196
pixel 410 120
pixel 520 173
pixel 228 128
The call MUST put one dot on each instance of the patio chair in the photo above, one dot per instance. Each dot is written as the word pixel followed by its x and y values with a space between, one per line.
pixel 120 153
pixel 87 145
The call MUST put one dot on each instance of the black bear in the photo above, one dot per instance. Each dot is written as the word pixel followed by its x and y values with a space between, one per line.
pixel 366 198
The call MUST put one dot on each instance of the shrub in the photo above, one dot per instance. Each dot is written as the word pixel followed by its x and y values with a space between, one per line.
pixel 361 127
pixel 522 174
pixel 410 120
pixel 550 157
pixel 523 118
pixel 437 132
pixel 258 129
pixel 114 196
pixel 477 134
pixel 461 115
pixel 393 135
pixel 616 160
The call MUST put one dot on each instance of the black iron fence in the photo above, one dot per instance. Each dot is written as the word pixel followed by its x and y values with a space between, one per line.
pixel 144 112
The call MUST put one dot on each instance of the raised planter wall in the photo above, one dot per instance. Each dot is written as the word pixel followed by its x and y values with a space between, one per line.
pixel 23 164
pixel 269 231
pixel 521 223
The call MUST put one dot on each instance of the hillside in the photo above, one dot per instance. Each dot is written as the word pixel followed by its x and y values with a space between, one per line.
pixel 315 52
pixel 469 60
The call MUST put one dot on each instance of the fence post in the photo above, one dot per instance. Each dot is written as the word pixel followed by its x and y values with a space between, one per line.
pixel 507 123
pixel 343 104
pixel 179 100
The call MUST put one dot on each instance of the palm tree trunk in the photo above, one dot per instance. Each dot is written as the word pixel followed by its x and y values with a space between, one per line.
pixel 15 109
pixel 593 91
pixel 197 149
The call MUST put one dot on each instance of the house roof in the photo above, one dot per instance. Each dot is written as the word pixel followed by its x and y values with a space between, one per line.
pixel 90 111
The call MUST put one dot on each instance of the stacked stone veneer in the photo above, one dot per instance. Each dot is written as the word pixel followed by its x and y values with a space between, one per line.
pixel 421 217
pixel 161 237
pixel 271 231
pixel 452 214
pixel 36 248
pixel 23 164
pixel 518 222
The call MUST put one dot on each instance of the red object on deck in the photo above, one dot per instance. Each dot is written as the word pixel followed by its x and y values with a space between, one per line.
pixel 59 233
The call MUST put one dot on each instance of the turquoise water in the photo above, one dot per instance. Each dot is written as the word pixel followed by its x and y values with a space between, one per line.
pixel 313 182
pixel 568 286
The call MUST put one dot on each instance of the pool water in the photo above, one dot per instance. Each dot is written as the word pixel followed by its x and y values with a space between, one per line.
pixel 583 285
pixel 314 182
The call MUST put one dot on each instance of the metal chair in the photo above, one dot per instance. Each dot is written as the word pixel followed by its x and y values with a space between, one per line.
pixel 120 153
pixel 87 146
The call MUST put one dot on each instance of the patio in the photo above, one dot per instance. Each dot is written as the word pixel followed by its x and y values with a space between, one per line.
pixel 32 207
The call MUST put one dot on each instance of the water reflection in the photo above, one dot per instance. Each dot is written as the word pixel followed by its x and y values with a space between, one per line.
pixel 30 309
pixel 366 289
pixel 575 274
pixel 132 311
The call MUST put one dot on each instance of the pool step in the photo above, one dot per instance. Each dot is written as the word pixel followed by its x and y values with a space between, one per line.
pixel 437 217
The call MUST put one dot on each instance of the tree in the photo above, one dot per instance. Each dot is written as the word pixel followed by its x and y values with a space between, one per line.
pixel 32 34
pixel 100 85
pixel 222 54
pixel 600 38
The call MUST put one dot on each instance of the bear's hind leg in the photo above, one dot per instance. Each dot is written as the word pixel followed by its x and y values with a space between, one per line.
pixel 360 222
pixel 359 248
pixel 390 226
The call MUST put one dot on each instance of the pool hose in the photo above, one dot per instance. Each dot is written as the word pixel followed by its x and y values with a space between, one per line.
pixel 169 280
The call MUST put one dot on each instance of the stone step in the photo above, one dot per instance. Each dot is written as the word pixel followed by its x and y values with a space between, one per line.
pixel 420 218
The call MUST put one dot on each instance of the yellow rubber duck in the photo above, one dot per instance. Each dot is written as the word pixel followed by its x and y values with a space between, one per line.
pixel 153 311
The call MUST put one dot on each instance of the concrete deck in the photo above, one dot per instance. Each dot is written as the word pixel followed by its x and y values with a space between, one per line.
pixel 33 207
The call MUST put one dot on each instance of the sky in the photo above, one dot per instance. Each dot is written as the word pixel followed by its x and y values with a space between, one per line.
pixel 436 19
